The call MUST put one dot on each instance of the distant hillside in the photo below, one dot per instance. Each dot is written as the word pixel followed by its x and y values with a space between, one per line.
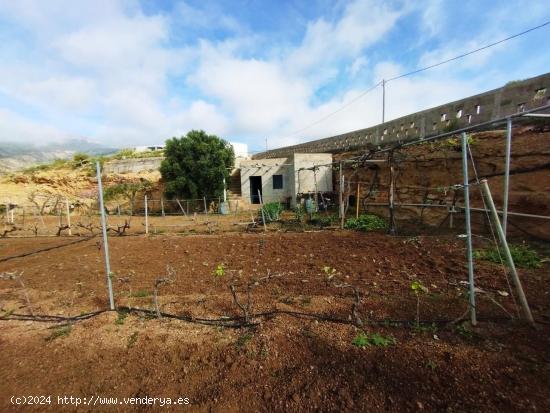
pixel 14 155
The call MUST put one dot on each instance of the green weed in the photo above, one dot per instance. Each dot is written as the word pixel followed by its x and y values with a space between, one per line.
pixel 140 294
pixel 59 332
pixel 373 339
pixel 366 223
pixel 523 256
pixel 244 339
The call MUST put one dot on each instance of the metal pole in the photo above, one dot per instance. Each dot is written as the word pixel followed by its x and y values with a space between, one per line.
pixel 342 209
pixel 224 191
pixel 383 100
pixel 357 201
pixel 262 208
pixel 391 189
pixel 105 241
pixel 205 210
pixel 162 205
pixel 340 185
pixel 469 256
pixel 146 216
pixel 507 254
pixel 68 215
pixel 507 174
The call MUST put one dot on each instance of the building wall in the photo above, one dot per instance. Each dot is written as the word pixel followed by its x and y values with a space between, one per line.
pixel 510 99
pixel 305 180
pixel 266 168
pixel 296 178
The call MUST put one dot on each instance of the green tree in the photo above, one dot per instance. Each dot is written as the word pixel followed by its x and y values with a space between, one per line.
pixel 196 164
pixel 128 190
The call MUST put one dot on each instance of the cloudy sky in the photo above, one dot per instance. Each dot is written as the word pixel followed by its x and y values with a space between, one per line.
pixel 129 72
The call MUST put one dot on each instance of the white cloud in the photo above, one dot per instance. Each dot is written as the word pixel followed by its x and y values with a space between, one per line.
pixel 362 24
pixel 23 130
pixel 112 69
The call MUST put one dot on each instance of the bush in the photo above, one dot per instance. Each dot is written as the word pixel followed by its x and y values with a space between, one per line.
pixel 272 211
pixel 522 254
pixel 323 220
pixel 366 223
pixel 80 159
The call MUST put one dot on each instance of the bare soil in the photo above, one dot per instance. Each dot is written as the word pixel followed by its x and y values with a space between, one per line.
pixel 293 360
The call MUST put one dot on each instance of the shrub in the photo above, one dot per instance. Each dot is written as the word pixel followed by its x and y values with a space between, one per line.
pixel 272 211
pixel 80 159
pixel 323 220
pixel 366 223
pixel 522 254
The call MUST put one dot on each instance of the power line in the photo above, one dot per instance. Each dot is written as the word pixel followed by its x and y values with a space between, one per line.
pixel 355 99
pixel 415 72
pixel 470 52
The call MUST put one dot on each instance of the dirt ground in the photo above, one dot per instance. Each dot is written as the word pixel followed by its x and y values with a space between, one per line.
pixel 299 355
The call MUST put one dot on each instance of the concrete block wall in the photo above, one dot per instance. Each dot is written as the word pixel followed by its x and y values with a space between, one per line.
pixel 133 165
pixel 514 97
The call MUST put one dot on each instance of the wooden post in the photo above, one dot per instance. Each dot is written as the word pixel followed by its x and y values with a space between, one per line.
pixel 146 217
pixel 7 213
pixel 68 209
pixel 162 205
pixel 506 250
pixel 357 200
pixel 118 209
pixel 205 209
pixel 262 209
pixel 182 210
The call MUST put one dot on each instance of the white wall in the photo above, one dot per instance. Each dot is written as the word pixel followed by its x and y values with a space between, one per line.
pixel 304 180
pixel 266 168
pixel 294 182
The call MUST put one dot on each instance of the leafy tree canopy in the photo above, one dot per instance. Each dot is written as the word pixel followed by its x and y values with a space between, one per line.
pixel 195 165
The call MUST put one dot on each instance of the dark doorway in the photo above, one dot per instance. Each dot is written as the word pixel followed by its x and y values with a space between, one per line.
pixel 255 186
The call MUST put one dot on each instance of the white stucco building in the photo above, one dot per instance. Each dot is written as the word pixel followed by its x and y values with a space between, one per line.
pixel 283 179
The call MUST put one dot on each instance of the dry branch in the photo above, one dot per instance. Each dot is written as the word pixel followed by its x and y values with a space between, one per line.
pixel 18 277
pixel 168 279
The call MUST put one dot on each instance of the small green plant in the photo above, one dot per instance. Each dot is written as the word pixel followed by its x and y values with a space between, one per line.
pixel 465 331
pixel 323 220
pixel 243 339
pixel 140 294
pixel 523 256
pixel 121 316
pixel 431 364
pixel 373 339
pixel 330 272
pixel 59 332
pixel 219 271
pixel 418 289
pixel 366 223
pixel 132 340
pixel 272 211
pixel 455 142
pixel 299 213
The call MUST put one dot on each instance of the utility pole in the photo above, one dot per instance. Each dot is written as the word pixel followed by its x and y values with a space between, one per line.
pixel 383 100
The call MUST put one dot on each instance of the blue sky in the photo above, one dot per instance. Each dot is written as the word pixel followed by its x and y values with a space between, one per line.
pixel 125 72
